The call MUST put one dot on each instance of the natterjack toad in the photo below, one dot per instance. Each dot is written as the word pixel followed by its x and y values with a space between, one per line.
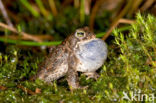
pixel 80 52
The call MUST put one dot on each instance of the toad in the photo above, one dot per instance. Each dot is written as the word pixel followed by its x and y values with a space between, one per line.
pixel 79 52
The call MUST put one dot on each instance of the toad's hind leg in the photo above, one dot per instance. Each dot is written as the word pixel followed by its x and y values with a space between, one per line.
pixel 50 75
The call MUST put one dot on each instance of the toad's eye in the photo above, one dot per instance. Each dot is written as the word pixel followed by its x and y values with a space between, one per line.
pixel 80 34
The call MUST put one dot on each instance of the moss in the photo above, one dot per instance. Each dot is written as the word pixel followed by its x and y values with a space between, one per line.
pixel 130 66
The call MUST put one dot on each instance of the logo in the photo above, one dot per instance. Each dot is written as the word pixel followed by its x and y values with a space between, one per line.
pixel 138 96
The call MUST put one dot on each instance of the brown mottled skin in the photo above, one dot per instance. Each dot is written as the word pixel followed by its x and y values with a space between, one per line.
pixel 64 54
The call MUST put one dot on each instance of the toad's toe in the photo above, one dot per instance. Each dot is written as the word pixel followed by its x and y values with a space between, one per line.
pixel 93 75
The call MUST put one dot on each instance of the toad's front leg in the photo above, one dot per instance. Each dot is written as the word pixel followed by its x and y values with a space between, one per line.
pixel 73 82
pixel 72 78
pixel 72 75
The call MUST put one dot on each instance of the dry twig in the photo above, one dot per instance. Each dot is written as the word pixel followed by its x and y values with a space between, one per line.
pixel 146 5
pixel 3 88
pixel 126 21
pixel 5 15
pixel 116 20
pixel 40 36
pixel 25 35
pixel 93 13
pixel 87 6
pixel 26 90
pixel 53 7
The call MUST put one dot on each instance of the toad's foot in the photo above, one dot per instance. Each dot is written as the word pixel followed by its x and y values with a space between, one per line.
pixel 93 75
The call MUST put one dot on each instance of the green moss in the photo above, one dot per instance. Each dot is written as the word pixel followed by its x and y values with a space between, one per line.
pixel 130 66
